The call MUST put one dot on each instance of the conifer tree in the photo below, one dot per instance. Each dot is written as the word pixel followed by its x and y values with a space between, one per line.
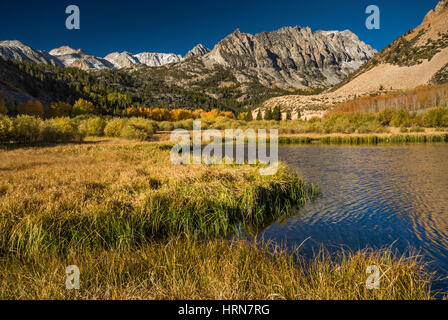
pixel 277 114
pixel 268 114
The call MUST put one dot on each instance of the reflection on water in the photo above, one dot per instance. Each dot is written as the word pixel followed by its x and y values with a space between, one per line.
pixel 372 197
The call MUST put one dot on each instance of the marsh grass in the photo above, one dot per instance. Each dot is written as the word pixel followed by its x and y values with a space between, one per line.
pixel 217 269
pixel 139 227
pixel 366 139
pixel 121 195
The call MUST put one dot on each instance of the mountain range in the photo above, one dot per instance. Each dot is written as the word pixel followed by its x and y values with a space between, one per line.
pixel 283 67
pixel 66 56
pixel 288 57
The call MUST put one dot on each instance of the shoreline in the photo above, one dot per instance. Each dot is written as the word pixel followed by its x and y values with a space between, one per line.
pixel 369 139
pixel 350 139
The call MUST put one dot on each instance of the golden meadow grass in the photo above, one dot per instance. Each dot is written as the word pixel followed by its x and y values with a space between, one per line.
pixel 141 227
pixel 115 195
pixel 216 269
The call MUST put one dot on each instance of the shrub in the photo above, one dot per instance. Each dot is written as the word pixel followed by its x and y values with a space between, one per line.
pixel 93 126
pixel 371 128
pixel 314 120
pixel 404 130
pixel 186 124
pixel 113 127
pixel 60 130
pixel 165 126
pixel 148 126
pixel 5 129
pixel 385 116
pixel 133 128
pixel 26 129
pixel 401 118
pixel 436 117
pixel 132 132
pixel 83 107
pixel 337 123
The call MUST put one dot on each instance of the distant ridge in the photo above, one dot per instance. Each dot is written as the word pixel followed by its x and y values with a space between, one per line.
pixel 67 56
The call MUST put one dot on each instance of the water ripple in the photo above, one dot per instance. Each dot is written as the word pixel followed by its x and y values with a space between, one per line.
pixel 372 197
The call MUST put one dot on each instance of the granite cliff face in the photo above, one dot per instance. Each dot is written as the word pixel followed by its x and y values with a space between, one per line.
pixel 292 56
pixel 199 50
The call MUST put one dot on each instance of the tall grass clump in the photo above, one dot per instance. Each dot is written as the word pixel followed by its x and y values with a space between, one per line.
pixel 185 269
pixel 129 196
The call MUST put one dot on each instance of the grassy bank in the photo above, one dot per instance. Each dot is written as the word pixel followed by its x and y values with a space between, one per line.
pixel 120 195
pixel 394 137
pixel 371 139
pixel 212 270
pixel 139 227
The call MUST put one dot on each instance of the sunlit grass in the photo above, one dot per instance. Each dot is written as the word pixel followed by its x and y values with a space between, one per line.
pixel 217 269
pixel 120 195
pixel 139 227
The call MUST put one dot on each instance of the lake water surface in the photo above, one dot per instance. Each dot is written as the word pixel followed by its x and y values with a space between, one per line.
pixel 372 197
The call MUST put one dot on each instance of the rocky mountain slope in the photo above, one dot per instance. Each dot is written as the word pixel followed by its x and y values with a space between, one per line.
pixel 287 58
pixel 66 56
pixel 417 58
pixel 199 50
pixel 158 59
pixel 241 71
pixel 292 56
pixel 19 51
pixel 122 60
pixel 78 58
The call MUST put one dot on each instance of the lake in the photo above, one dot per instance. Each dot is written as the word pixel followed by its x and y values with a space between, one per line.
pixel 373 196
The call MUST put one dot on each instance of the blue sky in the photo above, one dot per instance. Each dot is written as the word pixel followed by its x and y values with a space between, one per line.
pixel 177 26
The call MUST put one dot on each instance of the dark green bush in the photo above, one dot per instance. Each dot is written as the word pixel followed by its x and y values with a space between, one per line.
pixel 436 117
pixel 385 116
pixel 401 118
